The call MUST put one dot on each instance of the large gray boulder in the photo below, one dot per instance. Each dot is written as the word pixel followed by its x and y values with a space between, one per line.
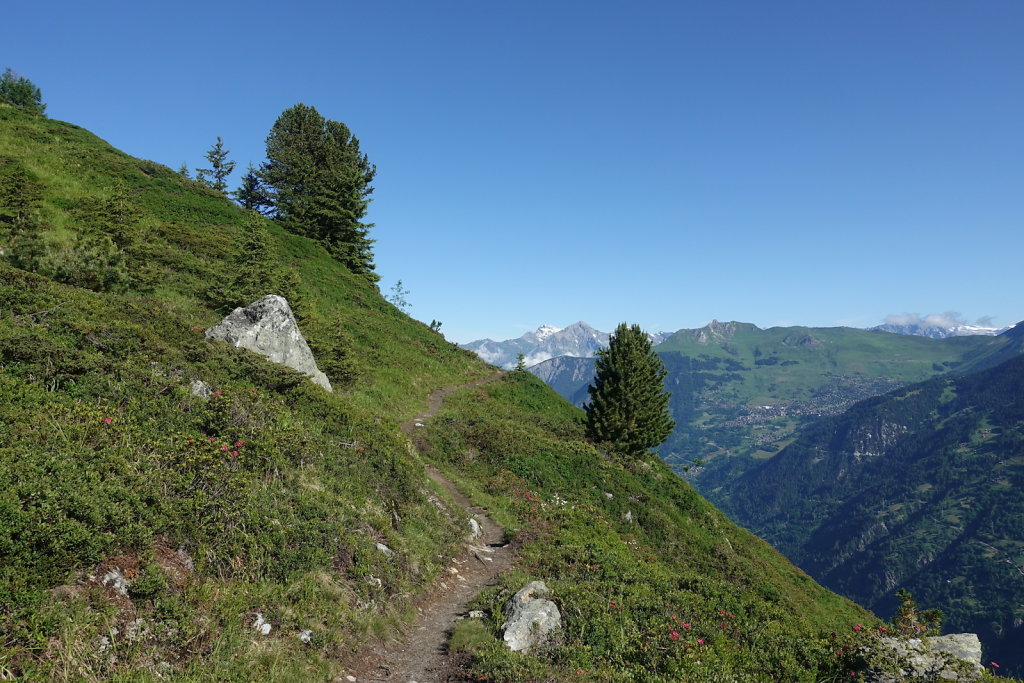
pixel 953 657
pixel 268 327
pixel 530 617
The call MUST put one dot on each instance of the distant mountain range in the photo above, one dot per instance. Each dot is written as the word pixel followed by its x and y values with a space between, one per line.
pixel 578 340
pixel 740 393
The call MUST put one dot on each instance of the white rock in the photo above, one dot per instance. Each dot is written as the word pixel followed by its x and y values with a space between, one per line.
pixel 116 581
pixel 200 388
pixel 306 635
pixel 386 550
pixel 474 529
pixel 530 617
pixel 261 625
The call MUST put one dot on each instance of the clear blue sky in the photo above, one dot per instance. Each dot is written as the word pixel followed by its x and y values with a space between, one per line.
pixel 664 163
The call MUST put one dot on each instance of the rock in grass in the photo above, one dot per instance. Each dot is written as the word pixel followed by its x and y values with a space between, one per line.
pixel 268 327
pixel 964 646
pixel 530 617
pixel 954 657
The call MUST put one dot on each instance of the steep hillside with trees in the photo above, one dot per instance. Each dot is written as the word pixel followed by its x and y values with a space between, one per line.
pixel 920 489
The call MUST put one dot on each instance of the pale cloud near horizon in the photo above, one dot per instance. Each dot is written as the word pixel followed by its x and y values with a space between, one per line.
pixel 947 319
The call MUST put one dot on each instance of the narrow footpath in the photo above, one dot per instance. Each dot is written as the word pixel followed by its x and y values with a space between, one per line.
pixel 421 656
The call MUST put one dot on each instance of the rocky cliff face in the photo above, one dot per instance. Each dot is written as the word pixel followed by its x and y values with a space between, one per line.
pixel 268 327
pixel 569 376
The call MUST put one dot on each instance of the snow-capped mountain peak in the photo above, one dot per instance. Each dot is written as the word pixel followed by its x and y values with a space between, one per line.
pixel 545 331
pixel 578 340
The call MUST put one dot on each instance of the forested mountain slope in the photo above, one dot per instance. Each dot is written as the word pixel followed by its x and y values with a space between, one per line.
pixel 146 528
pixel 919 489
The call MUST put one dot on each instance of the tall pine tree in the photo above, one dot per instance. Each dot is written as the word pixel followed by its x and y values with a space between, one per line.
pixel 318 181
pixel 628 402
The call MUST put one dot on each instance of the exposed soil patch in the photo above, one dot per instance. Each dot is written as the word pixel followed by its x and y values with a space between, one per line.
pixel 420 654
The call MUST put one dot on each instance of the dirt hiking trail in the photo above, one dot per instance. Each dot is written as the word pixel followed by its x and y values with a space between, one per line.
pixel 421 656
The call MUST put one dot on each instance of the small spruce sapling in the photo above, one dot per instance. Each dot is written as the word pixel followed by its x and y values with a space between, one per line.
pixel 399 297
pixel 220 168
pixel 911 622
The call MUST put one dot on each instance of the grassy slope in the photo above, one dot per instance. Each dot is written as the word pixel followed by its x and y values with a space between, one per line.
pixel 108 461
pixel 626 583
pixel 287 527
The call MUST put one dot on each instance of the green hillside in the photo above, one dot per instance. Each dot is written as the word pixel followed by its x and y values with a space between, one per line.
pixel 269 497
pixel 920 489
pixel 740 393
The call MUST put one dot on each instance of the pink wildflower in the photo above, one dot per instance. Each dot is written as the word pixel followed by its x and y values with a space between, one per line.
pixel 224 447
pixel 700 641
pixel 239 443
pixel 107 420
pixel 211 439
pixel 858 627
pixel 234 454
pixel 994 665
pixel 685 625
pixel 674 635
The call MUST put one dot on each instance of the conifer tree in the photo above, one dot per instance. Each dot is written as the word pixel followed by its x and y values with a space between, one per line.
pixel 628 402
pixel 116 215
pixel 20 198
pixel 251 195
pixel 21 92
pixel 318 181
pixel 220 167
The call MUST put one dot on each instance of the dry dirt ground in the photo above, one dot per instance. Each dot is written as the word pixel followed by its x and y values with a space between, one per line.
pixel 420 654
